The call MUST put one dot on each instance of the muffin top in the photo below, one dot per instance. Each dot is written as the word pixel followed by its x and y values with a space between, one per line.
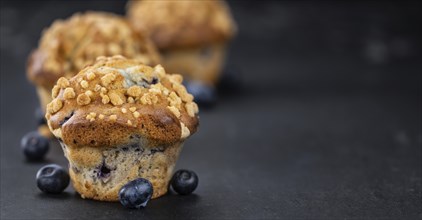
pixel 182 23
pixel 117 100
pixel 68 45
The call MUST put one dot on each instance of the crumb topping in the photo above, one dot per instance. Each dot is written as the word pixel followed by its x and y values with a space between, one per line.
pixel 182 23
pixel 191 108
pixel 122 86
pixel 174 110
pixel 90 76
pixel 67 46
pixel 134 91
pixel 113 117
pixel 185 131
pixel 55 91
pixel 54 106
pixel 62 82
pixel 69 93
pixel 91 116
pixel 83 99
pixel 84 84
pixel 107 79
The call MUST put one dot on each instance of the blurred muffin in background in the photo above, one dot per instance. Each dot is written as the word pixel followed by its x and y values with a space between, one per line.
pixel 68 45
pixel 191 35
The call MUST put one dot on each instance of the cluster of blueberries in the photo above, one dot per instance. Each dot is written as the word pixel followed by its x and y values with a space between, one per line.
pixel 54 179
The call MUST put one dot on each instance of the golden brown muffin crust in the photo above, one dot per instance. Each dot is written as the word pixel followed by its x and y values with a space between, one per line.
pixel 116 100
pixel 182 23
pixel 68 45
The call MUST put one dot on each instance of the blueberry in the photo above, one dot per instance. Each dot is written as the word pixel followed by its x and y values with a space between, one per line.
pixel 52 178
pixel 136 193
pixel 40 116
pixel 34 146
pixel 205 95
pixel 184 182
pixel 103 171
pixel 230 80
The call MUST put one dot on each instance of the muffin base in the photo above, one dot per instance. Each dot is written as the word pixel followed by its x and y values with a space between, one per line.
pixel 99 173
pixel 203 63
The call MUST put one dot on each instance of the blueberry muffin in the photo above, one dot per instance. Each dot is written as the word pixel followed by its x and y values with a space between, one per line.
pixel 191 35
pixel 118 120
pixel 68 45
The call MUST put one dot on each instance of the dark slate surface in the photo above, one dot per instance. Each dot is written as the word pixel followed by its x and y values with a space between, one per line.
pixel 327 125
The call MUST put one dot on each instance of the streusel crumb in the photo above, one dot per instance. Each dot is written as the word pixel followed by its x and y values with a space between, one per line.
pixel 127 89
pixel 69 93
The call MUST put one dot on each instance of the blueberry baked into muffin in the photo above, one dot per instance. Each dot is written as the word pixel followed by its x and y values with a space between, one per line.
pixel 191 35
pixel 68 45
pixel 118 120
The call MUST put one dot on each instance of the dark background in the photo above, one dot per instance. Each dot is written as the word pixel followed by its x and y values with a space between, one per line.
pixel 326 124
